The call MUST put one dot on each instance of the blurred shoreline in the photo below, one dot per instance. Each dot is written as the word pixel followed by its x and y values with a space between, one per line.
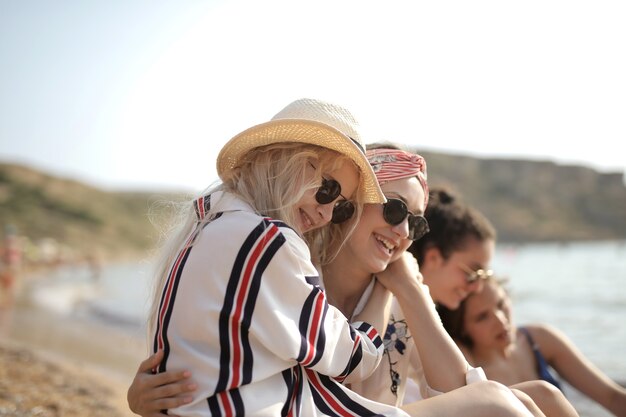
pixel 94 321
pixel 59 364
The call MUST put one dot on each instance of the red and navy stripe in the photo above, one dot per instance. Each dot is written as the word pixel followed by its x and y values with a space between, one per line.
pixel 332 400
pixel 357 349
pixel 236 358
pixel 371 332
pixel 168 298
pixel 201 206
pixel 294 383
pixel 311 326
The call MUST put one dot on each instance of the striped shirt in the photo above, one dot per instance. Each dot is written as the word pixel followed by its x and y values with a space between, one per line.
pixel 243 309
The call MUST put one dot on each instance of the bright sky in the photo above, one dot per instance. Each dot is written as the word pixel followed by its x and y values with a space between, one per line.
pixel 129 94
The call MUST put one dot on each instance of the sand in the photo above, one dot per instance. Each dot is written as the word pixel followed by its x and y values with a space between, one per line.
pixel 60 365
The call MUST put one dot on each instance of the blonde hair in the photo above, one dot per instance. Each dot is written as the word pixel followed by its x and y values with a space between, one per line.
pixel 272 180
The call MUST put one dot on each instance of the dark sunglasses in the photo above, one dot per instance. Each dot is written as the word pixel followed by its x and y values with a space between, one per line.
pixel 328 192
pixel 394 213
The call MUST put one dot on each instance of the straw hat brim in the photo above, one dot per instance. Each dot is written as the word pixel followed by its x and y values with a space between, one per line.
pixel 303 131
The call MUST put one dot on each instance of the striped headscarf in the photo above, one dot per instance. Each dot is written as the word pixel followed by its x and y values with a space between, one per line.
pixel 395 164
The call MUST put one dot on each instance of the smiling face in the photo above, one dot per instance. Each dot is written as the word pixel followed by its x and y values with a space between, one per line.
pixel 375 243
pixel 312 215
pixel 448 278
pixel 487 320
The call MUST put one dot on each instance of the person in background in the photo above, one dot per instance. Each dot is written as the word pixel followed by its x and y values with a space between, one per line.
pixel 381 236
pixel 456 254
pixel 484 329
pixel 10 265
pixel 454 259
pixel 460 238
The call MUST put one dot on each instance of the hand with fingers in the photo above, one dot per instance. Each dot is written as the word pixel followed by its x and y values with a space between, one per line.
pixel 399 273
pixel 150 394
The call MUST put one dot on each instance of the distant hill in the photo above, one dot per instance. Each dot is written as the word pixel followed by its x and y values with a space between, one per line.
pixel 527 201
pixel 74 216
pixel 536 200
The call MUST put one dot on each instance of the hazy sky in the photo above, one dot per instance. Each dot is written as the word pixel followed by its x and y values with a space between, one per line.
pixel 136 94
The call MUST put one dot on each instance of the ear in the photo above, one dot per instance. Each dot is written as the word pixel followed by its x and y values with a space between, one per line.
pixel 432 258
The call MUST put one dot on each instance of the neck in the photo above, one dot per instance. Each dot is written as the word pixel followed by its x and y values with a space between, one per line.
pixel 344 283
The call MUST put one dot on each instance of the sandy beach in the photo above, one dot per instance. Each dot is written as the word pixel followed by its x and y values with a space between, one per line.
pixel 74 364
pixel 61 365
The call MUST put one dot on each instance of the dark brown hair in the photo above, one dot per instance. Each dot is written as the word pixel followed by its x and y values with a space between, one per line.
pixel 453 321
pixel 452 222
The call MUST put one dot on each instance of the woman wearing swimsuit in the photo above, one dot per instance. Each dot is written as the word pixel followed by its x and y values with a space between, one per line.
pixel 483 328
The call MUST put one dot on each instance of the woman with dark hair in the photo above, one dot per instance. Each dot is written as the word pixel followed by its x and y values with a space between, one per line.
pixel 484 329
pixel 455 255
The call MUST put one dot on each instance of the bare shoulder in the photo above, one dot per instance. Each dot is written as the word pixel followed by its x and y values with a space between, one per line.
pixel 550 339
pixel 543 331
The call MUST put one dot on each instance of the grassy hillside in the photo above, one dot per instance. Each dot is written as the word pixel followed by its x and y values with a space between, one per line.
pixel 536 200
pixel 80 218
pixel 526 201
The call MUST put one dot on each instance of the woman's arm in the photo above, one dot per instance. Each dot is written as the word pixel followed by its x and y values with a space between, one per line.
pixel 577 370
pixel 150 393
pixel 444 365
pixel 294 321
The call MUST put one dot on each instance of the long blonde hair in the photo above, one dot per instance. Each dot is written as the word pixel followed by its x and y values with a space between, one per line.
pixel 272 180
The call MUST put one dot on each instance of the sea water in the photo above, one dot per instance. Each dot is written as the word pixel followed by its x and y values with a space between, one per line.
pixel 580 288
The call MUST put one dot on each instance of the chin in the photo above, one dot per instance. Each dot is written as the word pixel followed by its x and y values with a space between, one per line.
pixel 451 305
pixel 503 344
pixel 379 267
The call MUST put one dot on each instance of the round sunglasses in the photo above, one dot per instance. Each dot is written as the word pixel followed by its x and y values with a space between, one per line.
pixel 328 192
pixel 394 213
pixel 475 275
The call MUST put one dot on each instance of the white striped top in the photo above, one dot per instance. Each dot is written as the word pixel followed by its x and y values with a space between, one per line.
pixel 243 310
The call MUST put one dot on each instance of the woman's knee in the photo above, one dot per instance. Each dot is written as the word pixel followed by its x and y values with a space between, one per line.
pixel 548 397
pixel 505 401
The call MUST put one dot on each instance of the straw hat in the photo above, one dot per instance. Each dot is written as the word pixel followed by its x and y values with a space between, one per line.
pixel 307 121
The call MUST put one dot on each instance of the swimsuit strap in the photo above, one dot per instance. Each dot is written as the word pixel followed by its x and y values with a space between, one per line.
pixel 529 337
pixel 542 364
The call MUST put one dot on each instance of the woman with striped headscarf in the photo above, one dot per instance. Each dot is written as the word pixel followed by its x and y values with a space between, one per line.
pixel 352 284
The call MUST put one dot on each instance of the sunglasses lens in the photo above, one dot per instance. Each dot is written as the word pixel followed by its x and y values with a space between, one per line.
pixel 479 274
pixel 342 211
pixel 394 211
pixel 418 227
pixel 328 192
